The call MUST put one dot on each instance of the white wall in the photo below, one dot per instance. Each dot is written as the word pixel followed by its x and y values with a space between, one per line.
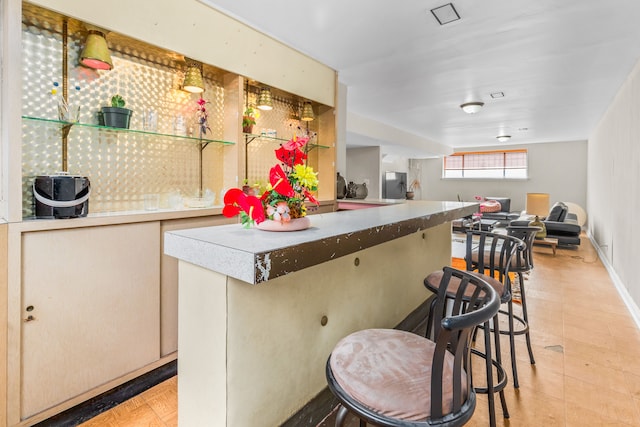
pixel 363 166
pixel 559 169
pixel 341 129
pixel 614 184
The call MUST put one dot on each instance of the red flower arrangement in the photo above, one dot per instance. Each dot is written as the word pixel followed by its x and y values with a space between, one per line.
pixel 291 183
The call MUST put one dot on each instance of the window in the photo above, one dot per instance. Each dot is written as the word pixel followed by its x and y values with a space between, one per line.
pixel 486 164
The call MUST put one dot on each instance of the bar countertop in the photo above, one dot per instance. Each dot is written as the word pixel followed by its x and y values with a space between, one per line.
pixel 255 256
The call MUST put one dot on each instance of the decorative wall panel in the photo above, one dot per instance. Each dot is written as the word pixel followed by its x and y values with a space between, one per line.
pixel 122 166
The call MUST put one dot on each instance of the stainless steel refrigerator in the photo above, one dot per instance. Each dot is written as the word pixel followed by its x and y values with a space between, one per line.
pixel 394 185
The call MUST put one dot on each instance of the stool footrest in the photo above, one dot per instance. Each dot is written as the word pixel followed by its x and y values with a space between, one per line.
pixel 502 375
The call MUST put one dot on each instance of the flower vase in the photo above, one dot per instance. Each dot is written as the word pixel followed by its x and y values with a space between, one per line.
pixel 295 224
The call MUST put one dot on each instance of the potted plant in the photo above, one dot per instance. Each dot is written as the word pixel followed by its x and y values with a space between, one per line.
pixel 415 185
pixel 117 116
pixel 249 119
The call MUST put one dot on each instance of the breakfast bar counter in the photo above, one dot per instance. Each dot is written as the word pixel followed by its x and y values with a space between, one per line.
pixel 260 311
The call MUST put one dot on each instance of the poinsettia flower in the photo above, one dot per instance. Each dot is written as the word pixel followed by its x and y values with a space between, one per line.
pixel 295 142
pixel 280 182
pixel 291 157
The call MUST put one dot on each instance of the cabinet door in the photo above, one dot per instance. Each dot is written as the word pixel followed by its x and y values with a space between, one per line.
pixel 93 297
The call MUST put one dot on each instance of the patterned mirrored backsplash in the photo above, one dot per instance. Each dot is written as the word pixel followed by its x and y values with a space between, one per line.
pixel 122 166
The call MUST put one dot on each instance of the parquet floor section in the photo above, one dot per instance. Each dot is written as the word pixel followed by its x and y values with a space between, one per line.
pixel 156 407
pixel 586 344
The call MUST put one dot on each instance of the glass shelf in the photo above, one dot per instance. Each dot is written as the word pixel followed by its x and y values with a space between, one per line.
pixel 62 125
pixel 250 137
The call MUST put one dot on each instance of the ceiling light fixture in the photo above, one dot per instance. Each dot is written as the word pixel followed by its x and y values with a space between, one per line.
pixel 96 51
pixel 307 112
pixel 503 138
pixel 264 99
pixel 193 77
pixel 445 14
pixel 472 107
pixel 495 95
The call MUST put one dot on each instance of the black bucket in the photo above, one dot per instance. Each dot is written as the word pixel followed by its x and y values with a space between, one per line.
pixel 61 196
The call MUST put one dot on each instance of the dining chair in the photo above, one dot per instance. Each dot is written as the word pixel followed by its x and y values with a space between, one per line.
pixel 389 377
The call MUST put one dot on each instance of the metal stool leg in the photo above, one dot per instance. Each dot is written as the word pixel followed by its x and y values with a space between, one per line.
pixel 501 373
pixel 525 316
pixel 341 416
pixel 512 344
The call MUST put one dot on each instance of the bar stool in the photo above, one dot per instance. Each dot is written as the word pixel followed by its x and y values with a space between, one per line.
pixel 523 263
pixel 389 377
pixel 495 252
pixel 488 259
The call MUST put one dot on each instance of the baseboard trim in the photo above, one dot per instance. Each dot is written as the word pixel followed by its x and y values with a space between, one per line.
pixel 323 404
pixel 634 310
pixel 107 400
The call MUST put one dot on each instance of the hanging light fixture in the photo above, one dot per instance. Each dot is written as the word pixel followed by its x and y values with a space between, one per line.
pixel 96 51
pixel 264 99
pixel 307 112
pixel 472 107
pixel 503 138
pixel 193 77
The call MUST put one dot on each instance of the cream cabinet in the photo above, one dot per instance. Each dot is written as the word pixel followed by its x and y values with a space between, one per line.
pixel 90 309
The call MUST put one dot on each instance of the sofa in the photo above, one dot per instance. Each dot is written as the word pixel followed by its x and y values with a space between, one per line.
pixel 560 224
pixel 504 215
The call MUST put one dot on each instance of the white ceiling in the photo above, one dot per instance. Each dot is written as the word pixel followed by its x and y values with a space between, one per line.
pixel 558 62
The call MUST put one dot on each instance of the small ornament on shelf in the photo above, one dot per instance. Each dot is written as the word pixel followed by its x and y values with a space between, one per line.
pixel 66 112
pixel 249 119
pixel 202 117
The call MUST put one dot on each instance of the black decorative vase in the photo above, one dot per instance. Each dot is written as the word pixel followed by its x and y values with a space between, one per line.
pixel 341 187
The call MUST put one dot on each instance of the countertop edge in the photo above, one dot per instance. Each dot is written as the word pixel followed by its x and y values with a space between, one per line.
pixel 261 265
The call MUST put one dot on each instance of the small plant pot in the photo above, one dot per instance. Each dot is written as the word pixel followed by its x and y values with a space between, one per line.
pixel 116 117
pixel 247 129
pixel 410 195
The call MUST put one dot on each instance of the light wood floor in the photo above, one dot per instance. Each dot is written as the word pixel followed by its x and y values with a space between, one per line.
pixel 586 344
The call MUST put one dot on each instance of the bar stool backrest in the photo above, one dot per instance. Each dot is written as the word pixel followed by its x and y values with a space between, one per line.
pixel 492 254
pixel 524 260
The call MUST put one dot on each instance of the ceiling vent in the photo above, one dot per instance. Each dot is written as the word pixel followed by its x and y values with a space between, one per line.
pixel 445 14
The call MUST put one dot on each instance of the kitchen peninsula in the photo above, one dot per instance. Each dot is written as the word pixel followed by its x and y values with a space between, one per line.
pixel 259 312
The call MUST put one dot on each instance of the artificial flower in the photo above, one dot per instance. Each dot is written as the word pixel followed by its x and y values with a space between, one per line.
pixel 291 157
pixel 295 142
pixel 280 182
pixel 249 207
pixel 305 176
pixel 291 184
pixel 202 116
